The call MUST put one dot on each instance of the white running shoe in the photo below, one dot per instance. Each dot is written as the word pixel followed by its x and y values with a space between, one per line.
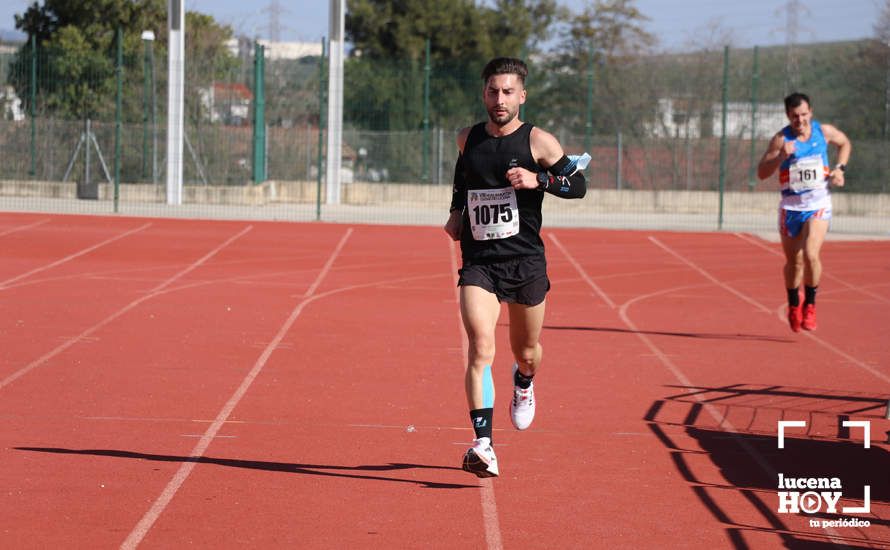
pixel 522 407
pixel 480 459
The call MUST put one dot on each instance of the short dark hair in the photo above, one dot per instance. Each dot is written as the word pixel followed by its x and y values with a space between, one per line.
pixel 505 65
pixel 795 100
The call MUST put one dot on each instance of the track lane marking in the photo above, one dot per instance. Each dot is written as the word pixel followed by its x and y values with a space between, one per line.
pixel 88 332
pixel 70 257
pixel 489 504
pixel 809 334
pixel 850 286
pixel 678 373
pixel 160 504
pixel 18 228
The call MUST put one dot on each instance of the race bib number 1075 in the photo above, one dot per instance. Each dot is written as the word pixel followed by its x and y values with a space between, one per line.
pixel 493 213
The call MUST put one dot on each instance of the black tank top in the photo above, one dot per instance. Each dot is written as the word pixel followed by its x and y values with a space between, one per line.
pixel 486 160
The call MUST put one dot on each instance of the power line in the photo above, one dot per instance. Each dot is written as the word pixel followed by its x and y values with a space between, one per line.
pixel 792 70
pixel 275 12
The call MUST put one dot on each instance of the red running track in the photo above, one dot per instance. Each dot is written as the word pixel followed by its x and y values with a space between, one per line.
pixel 166 383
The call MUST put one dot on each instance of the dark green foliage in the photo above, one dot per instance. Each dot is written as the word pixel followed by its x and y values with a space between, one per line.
pixel 385 73
pixel 76 52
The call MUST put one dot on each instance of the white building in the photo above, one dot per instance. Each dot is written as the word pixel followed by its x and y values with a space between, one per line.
pixel 11 105
pixel 290 50
pixel 769 119
pixel 675 118
pixel 227 103
pixel 274 50
pixel 683 119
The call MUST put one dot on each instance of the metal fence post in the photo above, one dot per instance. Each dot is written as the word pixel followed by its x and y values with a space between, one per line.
pixel 425 171
pixel 32 108
pixel 322 109
pixel 119 71
pixel 886 132
pixel 259 115
pixel 146 91
pixel 755 78
pixel 723 135
pixel 88 133
pixel 588 123
pixel 618 167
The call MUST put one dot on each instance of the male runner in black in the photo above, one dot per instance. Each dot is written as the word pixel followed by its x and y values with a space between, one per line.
pixel 502 172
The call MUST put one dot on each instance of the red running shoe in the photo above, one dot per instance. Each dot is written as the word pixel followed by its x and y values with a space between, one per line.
pixel 809 317
pixel 795 317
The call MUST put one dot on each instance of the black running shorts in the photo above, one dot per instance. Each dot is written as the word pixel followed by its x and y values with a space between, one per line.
pixel 521 280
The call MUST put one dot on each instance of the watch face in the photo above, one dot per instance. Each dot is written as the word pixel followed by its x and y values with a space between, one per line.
pixel 543 178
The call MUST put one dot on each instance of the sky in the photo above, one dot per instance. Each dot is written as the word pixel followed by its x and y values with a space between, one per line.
pixel 676 23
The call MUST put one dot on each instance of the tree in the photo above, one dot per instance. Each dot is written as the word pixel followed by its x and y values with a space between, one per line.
pixel 608 35
pixel 207 57
pixel 457 29
pixel 76 39
pixel 385 71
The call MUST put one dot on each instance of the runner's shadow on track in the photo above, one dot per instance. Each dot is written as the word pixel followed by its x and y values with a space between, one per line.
pixel 703 335
pixel 749 464
pixel 285 467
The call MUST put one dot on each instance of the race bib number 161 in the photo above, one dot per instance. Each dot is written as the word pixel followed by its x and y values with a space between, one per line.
pixel 806 174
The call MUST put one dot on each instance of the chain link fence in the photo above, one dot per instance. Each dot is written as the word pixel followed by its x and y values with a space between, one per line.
pixel 654 126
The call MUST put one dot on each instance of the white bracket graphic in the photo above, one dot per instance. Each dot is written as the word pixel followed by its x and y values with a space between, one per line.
pixel 789 424
pixel 866 430
pixel 864 424
pixel 866 500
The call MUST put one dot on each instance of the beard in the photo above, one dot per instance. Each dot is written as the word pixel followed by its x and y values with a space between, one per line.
pixel 501 118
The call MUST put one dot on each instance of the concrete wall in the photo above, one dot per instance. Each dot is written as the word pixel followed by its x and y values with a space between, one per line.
pixel 435 196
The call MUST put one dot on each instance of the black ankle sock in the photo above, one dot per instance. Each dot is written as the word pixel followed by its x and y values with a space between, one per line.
pixel 481 420
pixel 793 297
pixel 522 380
pixel 809 293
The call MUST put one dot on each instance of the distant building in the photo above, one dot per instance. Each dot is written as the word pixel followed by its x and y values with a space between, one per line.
pixel 10 104
pixel 290 50
pixel 680 118
pixel 244 47
pixel 675 118
pixel 769 119
pixel 227 103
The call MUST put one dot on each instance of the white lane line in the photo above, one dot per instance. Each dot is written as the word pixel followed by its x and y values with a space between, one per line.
pixel 678 373
pixel 834 349
pixel 708 276
pixel 596 288
pixel 16 229
pixel 141 529
pixel 88 332
pixel 489 504
pixel 861 290
pixel 72 256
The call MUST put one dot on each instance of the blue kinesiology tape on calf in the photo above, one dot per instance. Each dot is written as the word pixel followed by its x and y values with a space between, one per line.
pixel 487 388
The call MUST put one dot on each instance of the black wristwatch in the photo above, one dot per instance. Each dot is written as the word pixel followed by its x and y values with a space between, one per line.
pixel 841 167
pixel 544 180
